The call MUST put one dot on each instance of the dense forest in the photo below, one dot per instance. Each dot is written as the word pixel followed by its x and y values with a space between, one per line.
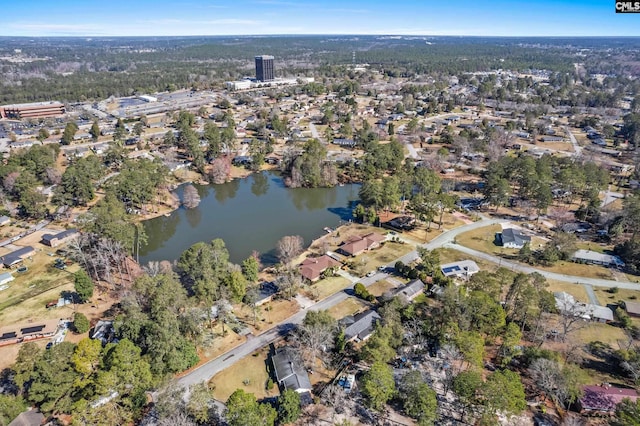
pixel 74 69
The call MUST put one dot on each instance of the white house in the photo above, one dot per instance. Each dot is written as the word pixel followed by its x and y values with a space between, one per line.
pixel 461 269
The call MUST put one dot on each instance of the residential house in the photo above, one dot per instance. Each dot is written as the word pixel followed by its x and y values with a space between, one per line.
pixel 313 267
pixel 632 308
pixel 103 331
pixel 360 327
pixel 603 399
pixel 401 223
pixel 356 245
pixel 411 290
pixel 596 258
pixel 289 372
pixel 17 256
pixel 551 139
pixel 54 240
pixel 6 278
pixel 512 238
pixel 31 417
pixel 266 291
pixel 461 269
pixel 24 332
pixel 348 143
pixel 5 220
pixel 566 303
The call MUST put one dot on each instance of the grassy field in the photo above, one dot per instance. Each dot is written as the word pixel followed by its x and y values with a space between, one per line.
pixel 381 287
pixel 326 287
pixel 450 255
pixel 605 296
pixel 371 260
pixel 481 239
pixel 579 270
pixel 347 307
pixel 576 290
pixel 603 332
pixel 26 296
pixel 249 374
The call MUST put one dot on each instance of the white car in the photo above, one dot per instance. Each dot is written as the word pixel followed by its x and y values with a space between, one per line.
pixel 371 273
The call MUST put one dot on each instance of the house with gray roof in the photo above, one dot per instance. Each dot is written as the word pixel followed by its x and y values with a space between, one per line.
pixel 596 258
pixel 360 327
pixel 17 256
pixel 6 278
pixel 289 371
pixel 512 238
pixel 5 220
pixel 54 240
pixel 410 291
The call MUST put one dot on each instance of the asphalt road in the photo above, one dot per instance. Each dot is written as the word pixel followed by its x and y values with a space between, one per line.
pixel 596 282
pixel 577 148
pixel 206 371
pixel 446 239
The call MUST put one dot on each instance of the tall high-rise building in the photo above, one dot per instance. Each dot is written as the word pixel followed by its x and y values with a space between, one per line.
pixel 264 68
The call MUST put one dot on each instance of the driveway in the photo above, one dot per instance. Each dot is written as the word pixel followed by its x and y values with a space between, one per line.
pixel 577 148
pixel 206 371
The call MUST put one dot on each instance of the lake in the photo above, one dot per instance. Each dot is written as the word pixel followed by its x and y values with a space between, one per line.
pixel 249 214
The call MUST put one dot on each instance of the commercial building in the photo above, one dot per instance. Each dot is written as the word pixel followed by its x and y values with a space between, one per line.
pixel 264 68
pixel 32 110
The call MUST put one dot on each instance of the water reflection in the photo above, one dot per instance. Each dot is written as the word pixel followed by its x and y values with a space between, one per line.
pixel 260 184
pixel 226 190
pixel 248 214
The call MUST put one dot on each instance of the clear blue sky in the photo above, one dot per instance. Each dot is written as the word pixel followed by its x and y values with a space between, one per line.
pixel 226 17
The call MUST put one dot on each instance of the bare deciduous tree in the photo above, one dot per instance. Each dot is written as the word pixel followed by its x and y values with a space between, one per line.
pixel 190 197
pixel 289 282
pixel 54 177
pixel 289 247
pixel 220 170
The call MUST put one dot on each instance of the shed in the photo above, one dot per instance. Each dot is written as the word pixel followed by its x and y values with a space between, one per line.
pixel 5 220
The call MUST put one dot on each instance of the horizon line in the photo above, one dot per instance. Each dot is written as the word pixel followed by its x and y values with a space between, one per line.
pixel 321 35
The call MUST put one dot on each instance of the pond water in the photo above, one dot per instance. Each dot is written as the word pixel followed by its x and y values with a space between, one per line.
pixel 249 214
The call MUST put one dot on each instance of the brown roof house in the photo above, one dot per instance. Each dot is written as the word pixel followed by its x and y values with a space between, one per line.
pixel 313 267
pixel 602 399
pixel 356 245
pixel 632 308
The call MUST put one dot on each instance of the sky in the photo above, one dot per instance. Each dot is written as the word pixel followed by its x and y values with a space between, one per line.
pixel 263 17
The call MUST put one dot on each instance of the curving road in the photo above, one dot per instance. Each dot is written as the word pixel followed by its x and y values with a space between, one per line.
pixel 596 282
pixel 206 371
